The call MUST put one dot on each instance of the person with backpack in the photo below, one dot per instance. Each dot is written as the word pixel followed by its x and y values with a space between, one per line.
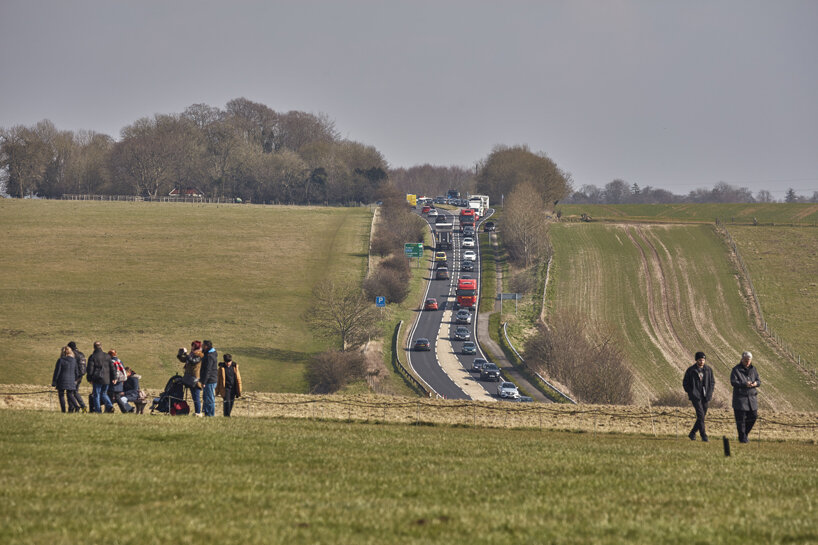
pixel 229 385
pixel 190 378
pixel 209 377
pixel 118 383
pixel 81 366
pixel 65 379
pixel 99 373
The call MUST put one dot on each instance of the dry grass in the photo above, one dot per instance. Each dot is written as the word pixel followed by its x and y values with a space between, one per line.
pixel 643 420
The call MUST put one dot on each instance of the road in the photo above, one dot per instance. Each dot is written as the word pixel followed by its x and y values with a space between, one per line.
pixel 444 369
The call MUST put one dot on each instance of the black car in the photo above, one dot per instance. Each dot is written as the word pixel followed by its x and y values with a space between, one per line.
pixel 467 266
pixel 442 273
pixel 477 365
pixel 423 344
pixel 489 226
pixel 462 333
pixel 490 371
pixel 468 231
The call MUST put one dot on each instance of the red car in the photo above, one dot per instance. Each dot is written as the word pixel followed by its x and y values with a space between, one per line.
pixel 431 304
pixel 425 210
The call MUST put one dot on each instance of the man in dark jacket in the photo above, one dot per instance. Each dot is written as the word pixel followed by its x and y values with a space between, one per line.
pixel 698 383
pixel 81 367
pixel 745 381
pixel 209 376
pixel 100 370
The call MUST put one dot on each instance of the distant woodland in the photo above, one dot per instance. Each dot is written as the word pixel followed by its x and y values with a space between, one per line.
pixel 251 152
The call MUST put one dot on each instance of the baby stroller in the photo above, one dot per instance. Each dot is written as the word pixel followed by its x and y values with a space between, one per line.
pixel 172 399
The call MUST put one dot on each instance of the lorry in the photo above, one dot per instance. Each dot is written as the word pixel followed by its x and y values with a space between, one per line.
pixel 466 293
pixel 443 236
pixel 467 217
pixel 479 203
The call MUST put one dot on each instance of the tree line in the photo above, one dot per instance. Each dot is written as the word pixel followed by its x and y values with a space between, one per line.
pixel 620 192
pixel 246 150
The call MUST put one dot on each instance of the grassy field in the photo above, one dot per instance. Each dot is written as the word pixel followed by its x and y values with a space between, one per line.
pixel 668 291
pixel 147 278
pixel 778 213
pixel 262 480
pixel 783 264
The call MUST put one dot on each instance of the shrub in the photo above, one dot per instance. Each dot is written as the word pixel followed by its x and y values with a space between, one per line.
pixel 398 263
pixel 593 368
pixel 672 399
pixel 330 371
pixel 523 282
pixel 388 282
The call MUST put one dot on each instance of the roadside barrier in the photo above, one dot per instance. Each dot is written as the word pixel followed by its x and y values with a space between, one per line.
pixel 519 357
pixel 409 377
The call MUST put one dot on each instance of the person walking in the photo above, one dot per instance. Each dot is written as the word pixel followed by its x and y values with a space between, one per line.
pixel 209 377
pixel 229 385
pixel 190 378
pixel 65 379
pixel 81 366
pixel 745 381
pixel 698 382
pixel 99 373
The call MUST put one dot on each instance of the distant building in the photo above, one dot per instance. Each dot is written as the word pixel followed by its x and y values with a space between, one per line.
pixel 187 192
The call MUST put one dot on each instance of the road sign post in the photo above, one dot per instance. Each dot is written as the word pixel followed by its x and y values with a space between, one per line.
pixel 380 301
pixel 503 296
pixel 413 249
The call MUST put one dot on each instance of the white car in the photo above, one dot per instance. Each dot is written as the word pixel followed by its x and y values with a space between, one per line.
pixel 432 213
pixel 469 255
pixel 507 390
pixel 468 242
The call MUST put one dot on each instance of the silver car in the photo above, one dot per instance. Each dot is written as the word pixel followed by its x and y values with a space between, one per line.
pixel 463 316
pixel 507 390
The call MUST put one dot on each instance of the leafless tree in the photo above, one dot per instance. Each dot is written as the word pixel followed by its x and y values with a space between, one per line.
pixel 340 311
pixel 524 225
pixel 330 371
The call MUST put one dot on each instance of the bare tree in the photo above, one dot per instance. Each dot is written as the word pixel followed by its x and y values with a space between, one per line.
pixel 340 311
pixel 330 371
pixel 524 224
pixel 764 196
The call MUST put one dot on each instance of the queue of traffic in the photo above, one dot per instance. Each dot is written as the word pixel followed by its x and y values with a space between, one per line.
pixel 455 273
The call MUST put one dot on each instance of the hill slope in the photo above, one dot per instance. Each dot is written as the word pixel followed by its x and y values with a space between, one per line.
pixel 147 278
pixel 670 291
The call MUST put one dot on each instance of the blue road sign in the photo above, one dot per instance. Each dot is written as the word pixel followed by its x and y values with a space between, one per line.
pixel 380 301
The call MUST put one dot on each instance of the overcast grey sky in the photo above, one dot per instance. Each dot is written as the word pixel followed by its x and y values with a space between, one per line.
pixel 676 95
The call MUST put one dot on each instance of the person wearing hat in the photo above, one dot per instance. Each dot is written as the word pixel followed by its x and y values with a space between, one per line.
pixel 745 381
pixel 698 382
pixel 190 378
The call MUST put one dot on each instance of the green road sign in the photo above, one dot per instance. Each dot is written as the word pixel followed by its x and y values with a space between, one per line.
pixel 413 249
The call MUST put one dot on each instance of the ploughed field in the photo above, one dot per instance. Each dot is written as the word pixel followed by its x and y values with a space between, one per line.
pixel 147 278
pixel 273 480
pixel 668 291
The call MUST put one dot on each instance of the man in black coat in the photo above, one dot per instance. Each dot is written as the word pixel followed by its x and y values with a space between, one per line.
pixel 209 376
pixel 100 370
pixel 81 367
pixel 698 382
pixel 745 381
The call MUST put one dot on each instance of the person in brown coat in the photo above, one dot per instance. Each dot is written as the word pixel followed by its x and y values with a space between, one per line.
pixel 229 383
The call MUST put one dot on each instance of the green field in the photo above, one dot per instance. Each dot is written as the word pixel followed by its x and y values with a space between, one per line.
pixel 147 278
pixel 778 213
pixel 668 291
pixel 262 480
pixel 783 264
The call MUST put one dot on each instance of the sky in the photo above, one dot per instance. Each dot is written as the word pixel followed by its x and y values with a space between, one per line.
pixel 676 95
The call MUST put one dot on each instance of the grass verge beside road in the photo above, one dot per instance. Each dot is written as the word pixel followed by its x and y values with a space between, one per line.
pixel 301 481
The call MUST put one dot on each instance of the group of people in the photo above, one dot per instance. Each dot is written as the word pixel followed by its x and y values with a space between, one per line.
pixel 699 383
pixel 112 382
pixel 206 378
